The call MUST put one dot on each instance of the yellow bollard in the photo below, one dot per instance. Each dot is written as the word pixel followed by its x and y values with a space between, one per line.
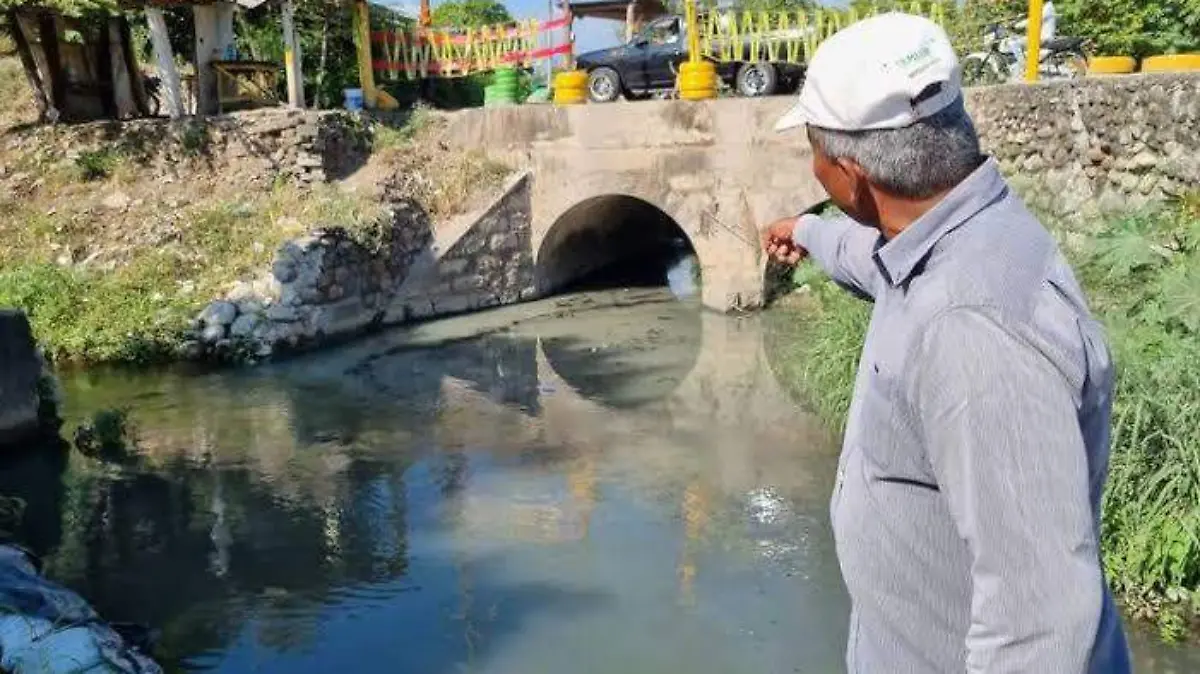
pixel 1171 63
pixel 697 79
pixel 1033 41
pixel 1111 65
pixel 570 88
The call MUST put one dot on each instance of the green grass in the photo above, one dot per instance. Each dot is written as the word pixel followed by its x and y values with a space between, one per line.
pixel 1142 277
pixel 112 264
pixel 97 164
pixel 108 317
pixel 1143 274
pixel 139 311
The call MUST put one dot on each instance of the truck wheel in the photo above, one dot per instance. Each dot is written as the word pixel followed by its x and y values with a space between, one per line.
pixel 757 79
pixel 604 85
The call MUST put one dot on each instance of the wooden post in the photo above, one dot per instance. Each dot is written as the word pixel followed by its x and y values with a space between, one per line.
pixel 166 61
pixel 29 64
pixel 362 35
pixel 630 19
pixel 123 95
pixel 48 32
pixel 1033 41
pixel 105 81
pixel 291 56
pixel 129 59
pixel 322 61
pixel 214 34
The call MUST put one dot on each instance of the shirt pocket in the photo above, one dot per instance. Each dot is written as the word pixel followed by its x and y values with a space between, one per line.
pixel 880 428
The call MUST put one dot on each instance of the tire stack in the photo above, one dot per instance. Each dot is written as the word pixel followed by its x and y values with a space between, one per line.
pixel 503 89
pixel 570 88
pixel 697 80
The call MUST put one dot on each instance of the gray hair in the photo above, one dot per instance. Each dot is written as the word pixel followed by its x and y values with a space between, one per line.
pixel 917 161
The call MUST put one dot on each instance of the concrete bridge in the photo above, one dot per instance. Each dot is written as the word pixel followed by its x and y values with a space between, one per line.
pixel 608 181
pixel 601 184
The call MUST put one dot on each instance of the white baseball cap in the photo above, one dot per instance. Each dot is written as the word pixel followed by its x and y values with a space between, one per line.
pixel 878 73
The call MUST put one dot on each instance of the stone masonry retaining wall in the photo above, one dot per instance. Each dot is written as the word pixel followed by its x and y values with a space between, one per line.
pixel 1097 145
pixel 489 264
pixel 251 147
pixel 329 286
pixel 320 286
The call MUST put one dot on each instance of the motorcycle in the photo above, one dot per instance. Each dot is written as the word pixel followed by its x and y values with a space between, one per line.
pixel 1059 58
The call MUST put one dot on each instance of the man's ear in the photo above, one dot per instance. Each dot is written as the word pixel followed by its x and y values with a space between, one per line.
pixel 862 195
pixel 856 177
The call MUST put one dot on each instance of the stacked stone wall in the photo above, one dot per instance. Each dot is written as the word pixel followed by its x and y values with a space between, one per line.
pixel 331 285
pixel 1079 149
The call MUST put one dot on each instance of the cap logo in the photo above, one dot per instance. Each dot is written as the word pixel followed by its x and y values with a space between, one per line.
pixel 918 60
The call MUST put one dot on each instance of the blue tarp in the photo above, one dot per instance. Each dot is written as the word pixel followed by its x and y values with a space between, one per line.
pixel 47 628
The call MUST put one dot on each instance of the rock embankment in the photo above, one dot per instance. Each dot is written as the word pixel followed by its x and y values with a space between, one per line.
pixel 333 283
pixel 329 283
pixel 1082 149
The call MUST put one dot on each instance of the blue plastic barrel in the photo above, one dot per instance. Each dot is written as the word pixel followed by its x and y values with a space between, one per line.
pixel 354 99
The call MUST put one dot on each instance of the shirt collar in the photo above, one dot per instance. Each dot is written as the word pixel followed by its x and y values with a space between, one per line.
pixel 900 256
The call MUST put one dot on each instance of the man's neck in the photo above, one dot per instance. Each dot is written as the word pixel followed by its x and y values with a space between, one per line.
pixel 896 215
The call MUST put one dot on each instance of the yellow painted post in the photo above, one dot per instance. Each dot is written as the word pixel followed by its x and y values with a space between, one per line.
pixel 693 31
pixel 372 97
pixel 1033 41
pixel 697 79
pixel 362 33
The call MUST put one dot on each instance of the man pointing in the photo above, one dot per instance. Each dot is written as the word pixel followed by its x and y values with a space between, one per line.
pixel 966 508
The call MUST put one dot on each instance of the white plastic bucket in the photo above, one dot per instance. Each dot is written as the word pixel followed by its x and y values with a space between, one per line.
pixel 354 99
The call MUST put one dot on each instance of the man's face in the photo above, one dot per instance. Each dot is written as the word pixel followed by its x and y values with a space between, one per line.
pixel 846 185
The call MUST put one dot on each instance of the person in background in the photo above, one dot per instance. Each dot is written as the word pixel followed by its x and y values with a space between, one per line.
pixel 966 507
pixel 1015 44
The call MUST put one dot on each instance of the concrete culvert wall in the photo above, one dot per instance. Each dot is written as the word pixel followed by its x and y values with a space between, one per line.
pixel 609 240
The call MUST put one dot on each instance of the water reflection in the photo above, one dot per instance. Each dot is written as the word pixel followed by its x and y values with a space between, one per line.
pixel 561 487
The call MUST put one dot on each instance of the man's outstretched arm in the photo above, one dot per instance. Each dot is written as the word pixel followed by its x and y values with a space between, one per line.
pixel 844 249
pixel 1001 428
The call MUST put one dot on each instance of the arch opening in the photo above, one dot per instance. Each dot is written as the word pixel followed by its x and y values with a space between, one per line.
pixel 616 241
pixel 626 362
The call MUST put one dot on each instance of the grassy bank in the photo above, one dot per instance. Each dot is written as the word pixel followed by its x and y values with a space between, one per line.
pixel 109 294
pixel 112 255
pixel 1142 275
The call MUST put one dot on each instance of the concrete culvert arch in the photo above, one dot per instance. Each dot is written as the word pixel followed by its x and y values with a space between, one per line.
pixel 614 240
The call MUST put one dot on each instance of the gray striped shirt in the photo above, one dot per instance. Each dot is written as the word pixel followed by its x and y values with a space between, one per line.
pixel 966 510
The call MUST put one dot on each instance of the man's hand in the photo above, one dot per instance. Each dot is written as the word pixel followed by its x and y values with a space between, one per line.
pixel 779 244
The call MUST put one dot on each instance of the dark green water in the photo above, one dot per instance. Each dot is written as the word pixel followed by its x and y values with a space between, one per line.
pixel 558 487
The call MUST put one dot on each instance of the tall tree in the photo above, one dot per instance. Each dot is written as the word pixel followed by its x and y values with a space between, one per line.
pixel 1134 27
pixel 470 14
pixel 768 5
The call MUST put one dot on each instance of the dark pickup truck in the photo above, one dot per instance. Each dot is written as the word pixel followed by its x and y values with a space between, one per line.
pixel 647 65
